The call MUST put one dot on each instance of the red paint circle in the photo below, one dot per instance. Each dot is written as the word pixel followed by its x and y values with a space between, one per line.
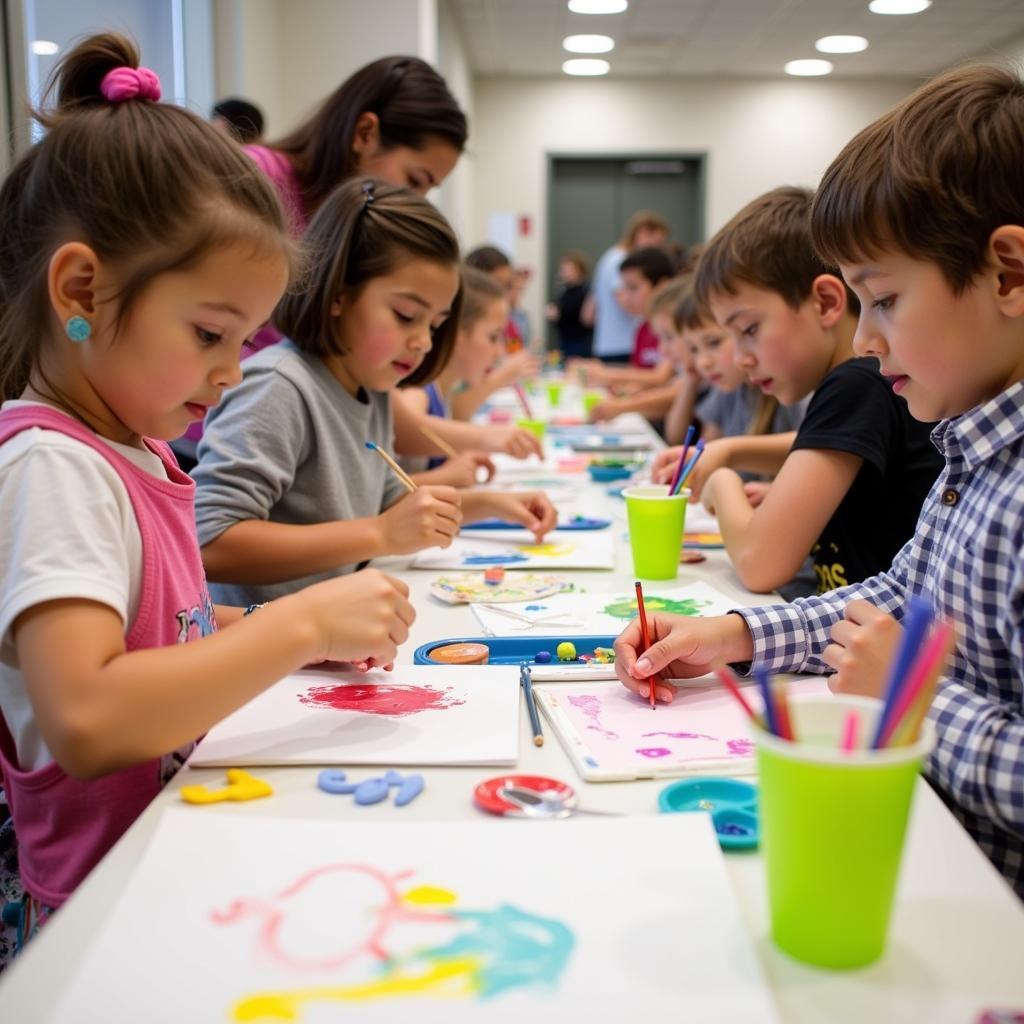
pixel 486 797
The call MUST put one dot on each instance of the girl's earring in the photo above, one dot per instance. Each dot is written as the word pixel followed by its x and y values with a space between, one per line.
pixel 78 329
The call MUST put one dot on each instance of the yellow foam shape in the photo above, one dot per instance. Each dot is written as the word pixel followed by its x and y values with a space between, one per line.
pixel 429 894
pixel 288 1005
pixel 241 786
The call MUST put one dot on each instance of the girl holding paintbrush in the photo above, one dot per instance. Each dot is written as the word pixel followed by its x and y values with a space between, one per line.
pixel 286 491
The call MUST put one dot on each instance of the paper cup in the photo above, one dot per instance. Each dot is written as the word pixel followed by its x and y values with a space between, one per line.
pixel 832 830
pixel 554 390
pixel 536 427
pixel 590 399
pixel 656 520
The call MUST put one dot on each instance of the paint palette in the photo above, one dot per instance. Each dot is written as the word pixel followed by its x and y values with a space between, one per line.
pixel 514 650
pixel 488 796
pixel 731 803
pixel 467 587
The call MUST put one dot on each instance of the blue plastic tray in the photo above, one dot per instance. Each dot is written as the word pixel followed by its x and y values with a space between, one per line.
pixel 513 650
pixel 732 804
pixel 576 523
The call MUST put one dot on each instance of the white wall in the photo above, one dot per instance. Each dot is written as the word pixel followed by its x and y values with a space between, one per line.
pixel 756 133
pixel 455 197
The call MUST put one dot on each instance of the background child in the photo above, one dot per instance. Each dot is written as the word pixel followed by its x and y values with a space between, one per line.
pixel 936 254
pixel 286 491
pixel 857 452
pixel 139 249
pixel 573 337
pixel 479 346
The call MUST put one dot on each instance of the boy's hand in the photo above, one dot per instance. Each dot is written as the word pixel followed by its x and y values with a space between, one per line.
pixel 532 509
pixel 681 648
pixel 460 470
pixel 428 517
pixel 863 646
pixel 362 617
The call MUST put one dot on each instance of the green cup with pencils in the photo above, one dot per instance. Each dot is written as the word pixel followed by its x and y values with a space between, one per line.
pixel 656 520
pixel 833 814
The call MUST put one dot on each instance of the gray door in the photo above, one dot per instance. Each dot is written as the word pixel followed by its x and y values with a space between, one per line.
pixel 591 198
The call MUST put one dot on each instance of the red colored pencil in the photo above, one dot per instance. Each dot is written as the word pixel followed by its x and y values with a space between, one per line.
pixel 521 395
pixel 644 632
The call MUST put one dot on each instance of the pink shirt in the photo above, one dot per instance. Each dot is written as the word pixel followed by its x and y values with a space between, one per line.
pixel 65 826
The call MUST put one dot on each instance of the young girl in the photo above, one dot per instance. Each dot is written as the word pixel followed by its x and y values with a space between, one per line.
pixel 286 491
pixel 139 249
pixel 479 346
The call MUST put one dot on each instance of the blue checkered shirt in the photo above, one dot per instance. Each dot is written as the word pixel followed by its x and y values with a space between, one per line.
pixel 967 558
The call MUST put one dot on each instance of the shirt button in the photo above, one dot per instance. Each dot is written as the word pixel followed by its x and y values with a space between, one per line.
pixel 950 496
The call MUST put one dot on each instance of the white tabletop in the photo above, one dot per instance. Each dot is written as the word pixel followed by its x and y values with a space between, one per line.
pixel 957 939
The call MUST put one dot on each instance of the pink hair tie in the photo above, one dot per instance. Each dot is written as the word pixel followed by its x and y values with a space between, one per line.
pixel 127 83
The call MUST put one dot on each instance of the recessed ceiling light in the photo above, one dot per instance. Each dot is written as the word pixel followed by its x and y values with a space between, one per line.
pixel 44 47
pixel 899 6
pixel 841 44
pixel 586 66
pixel 598 6
pixel 588 44
pixel 808 68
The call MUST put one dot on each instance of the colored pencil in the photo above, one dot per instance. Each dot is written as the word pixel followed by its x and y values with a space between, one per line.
pixel 399 472
pixel 916 696
pixel 521 395
pixel 761 675
pixel 442 445
pixel 645 635
pixel 851 726
pixel 782 715
pixel 682 459
pixel 915 626
pixel 531 705
pixel 688 468
pixel 729 681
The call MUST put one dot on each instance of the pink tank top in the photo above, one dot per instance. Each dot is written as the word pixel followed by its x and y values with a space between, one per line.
pixel 65 826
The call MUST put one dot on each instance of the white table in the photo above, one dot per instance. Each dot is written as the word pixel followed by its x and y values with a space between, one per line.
pixel 957 939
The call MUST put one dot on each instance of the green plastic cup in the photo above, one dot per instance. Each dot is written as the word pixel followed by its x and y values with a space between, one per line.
pixel 832 830
pixel 536 427
pixel 554 390
pixel 656 520
pixel 590 399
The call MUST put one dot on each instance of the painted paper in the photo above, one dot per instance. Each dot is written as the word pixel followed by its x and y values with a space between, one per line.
pixel 517 549
pixel 263 919
pixel 412 716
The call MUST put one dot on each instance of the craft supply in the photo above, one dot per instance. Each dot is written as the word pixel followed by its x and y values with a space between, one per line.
pixel 461 654
pixel 594 550
pixel 435 439
pixel 542 657
pixel 494 575
pixel 566 651
pixel 241 786
pixel 375 790
pixel 489 795
pixel 731 683
pixel 851 727
pixel 691 557
pixel 688 468
pixel 682 458
pixel 782 717
pixel 525 621
pixel 646 637
pixel 398 471
pixel 703 541
pixel 764 685
pixel 575 523
pixel 467 587
pixel 523 403
pixel 415 715
pixel 915 626
pixel 531 706
pixel 545 805
pixel 732 805
pixel 610 736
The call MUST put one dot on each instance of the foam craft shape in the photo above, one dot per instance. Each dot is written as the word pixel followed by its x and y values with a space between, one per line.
pixel 240 786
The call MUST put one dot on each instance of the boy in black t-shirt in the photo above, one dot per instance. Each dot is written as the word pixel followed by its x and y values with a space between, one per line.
pixel 851 487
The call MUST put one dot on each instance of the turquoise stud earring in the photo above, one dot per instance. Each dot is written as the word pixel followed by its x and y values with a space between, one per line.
pixel 78 329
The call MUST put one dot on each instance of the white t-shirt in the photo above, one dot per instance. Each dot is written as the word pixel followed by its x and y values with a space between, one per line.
pixel 68 530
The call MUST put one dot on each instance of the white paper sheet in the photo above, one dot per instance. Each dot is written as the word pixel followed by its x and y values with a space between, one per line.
pixel 229 917
pixel 576 614
pixel 415 715
pixel 514 549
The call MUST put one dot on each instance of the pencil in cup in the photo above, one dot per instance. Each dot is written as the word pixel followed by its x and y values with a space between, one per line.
pixel 682 459
pixel 688 468
pixel 399 472
pixel 526 682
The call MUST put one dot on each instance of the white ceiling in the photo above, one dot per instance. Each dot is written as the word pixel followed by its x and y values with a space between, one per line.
pixel 734 37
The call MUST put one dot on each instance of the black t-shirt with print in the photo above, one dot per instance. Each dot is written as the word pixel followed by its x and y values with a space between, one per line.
pixel 855 410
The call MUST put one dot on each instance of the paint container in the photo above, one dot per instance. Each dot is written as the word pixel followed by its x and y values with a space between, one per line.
pixel 461 654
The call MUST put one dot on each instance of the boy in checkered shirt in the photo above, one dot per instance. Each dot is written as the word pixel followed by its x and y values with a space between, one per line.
pixel 923 211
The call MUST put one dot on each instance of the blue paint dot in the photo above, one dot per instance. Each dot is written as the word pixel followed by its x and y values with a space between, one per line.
pixel 733 830
pixel 535 607
pixel 542 657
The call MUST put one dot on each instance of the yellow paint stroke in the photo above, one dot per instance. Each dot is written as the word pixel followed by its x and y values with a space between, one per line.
pixel 241 786
pixel 429 895
pixel 549 550
pixel 452 978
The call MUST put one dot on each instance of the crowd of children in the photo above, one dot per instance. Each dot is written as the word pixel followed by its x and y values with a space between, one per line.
pixel 828 346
